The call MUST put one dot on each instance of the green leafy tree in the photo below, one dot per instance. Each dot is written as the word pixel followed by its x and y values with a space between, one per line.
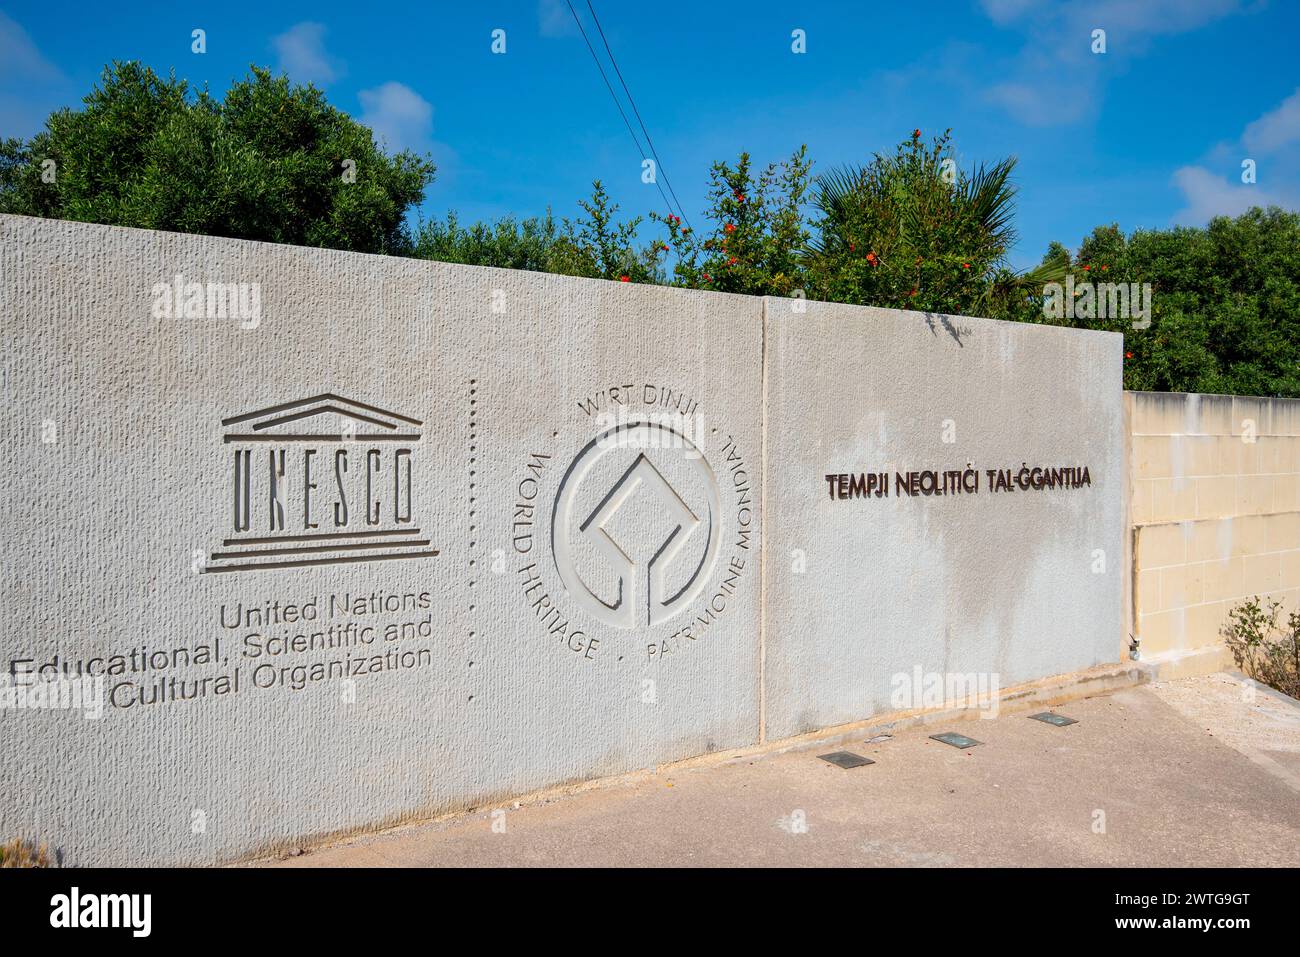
pixel 595 245
pixel 913 231
pixel 273 161
pixel 1225 303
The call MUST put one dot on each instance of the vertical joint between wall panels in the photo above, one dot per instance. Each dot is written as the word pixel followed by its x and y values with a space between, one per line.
pixel 1129 601
pixel 762 542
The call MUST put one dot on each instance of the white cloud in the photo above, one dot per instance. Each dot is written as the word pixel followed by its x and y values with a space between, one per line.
pixel 1005 11
pixel 30 85
pixel 1137 21
pixel 1208 196
pixel 400 117
pixel 1055 78
pixel 302 54
pixel 1275 129
pixel 1042 105
pixel 554 19
pixel 1264 140
pixel 19 58
pixel 1134 21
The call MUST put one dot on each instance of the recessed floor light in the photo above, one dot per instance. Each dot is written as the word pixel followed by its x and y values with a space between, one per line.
pixel 1059 720
pixel 846 759
pixel 956 740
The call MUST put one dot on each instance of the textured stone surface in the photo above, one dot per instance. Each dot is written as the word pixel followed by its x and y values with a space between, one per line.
pixel 111 523
pixel 1216 512
pixel 863 589
pixel 594 603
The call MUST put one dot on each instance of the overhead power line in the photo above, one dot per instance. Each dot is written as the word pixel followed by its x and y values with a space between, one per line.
pixel 621 112
pixel 660 169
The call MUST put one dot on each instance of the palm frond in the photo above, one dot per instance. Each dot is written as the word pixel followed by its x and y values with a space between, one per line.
pixel 990 196
pixel 833 194
pixel 835 187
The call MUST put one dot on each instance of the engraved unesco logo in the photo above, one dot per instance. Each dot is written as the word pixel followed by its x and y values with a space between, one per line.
pixel 323 480
pixel 648 524
pixel 640 567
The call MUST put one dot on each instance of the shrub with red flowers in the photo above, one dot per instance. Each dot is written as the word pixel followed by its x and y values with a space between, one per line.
pixel 611 246
pixel 757 230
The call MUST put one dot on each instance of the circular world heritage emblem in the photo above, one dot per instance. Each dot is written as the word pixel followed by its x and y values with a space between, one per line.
pixel 634 529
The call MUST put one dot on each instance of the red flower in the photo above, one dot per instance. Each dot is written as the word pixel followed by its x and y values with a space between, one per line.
pixel 916 134
pixel 706 277
pixel 1128 355
pixel 1086 268
pixel 1104 268
pixel 730 227
pixel 965 265
pixel 871 258
pixel 852 247
pixel 731 261
pixel 912 293
pixel 624 278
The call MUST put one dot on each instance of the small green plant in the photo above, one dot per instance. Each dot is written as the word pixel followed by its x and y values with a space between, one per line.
pixel 20 853
pixel 611 245
pixel 757 232
pixel 1267 649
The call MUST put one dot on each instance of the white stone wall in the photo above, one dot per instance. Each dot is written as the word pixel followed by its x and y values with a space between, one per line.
pixel 1012 584
pixel 559 572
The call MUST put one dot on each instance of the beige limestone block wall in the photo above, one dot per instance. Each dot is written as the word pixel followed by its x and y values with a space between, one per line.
pixel 1215 511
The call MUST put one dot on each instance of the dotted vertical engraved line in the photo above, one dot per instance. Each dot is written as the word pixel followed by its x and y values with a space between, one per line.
pixel 472 551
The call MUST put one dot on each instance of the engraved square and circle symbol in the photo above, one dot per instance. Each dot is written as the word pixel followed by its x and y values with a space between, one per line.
pixel 635 530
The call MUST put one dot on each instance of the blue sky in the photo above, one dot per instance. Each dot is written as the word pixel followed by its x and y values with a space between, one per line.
pixel 1151 132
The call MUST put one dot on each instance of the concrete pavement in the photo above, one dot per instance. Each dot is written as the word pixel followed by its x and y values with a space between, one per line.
pixel 1195 772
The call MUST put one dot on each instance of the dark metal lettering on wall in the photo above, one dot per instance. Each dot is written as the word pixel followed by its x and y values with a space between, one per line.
pixel 967 481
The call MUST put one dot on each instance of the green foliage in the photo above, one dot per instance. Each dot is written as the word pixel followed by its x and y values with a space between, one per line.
pixel 908 230
pixel 539 244
pixel 595 245
pixel 1266 648
pixel 267 163
pixel 758 234
pixel 912 231
pixel 1225 298
pixel 611 246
